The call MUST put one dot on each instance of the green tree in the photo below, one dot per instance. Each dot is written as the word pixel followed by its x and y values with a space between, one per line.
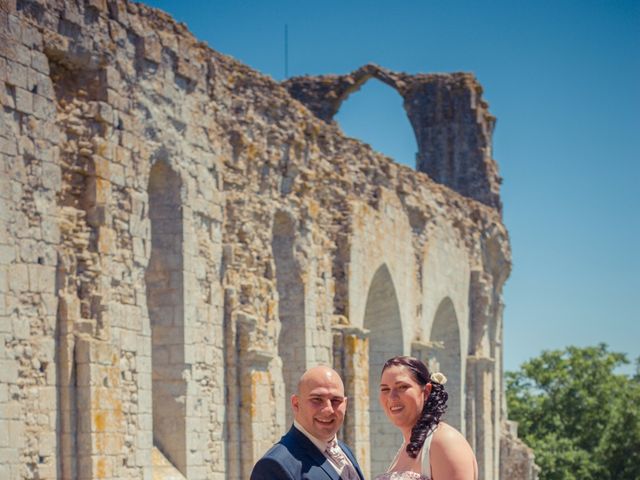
pixel 580 417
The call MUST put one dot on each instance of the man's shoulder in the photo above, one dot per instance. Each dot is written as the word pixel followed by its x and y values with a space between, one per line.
pixel 279 451
pixel 288 455
pixel 278 462
pixel 270 467
pixel 290 447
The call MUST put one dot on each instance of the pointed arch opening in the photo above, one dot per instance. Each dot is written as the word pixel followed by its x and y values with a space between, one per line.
pixel 446 332
pixel 291 307
pixel 164 279
pixel 382 319
pixel 376 115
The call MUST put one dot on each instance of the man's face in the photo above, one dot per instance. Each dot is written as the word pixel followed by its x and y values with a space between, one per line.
pixel 320 404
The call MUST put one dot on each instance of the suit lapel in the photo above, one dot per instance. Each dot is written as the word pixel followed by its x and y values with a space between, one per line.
pixel 347 452
pixel 306 446
pixel 328 468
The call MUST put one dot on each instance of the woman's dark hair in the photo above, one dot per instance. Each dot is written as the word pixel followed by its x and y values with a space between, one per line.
pixel 434 407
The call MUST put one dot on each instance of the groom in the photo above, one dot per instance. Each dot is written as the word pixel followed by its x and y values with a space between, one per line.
pixel 310 450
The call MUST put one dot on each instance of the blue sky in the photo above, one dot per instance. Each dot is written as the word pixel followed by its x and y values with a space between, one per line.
pixel 563 79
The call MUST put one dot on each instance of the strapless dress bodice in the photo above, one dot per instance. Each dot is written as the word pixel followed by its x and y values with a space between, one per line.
pixel 408 475
pixel 401 476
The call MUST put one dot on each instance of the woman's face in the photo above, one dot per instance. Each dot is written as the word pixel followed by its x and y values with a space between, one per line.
pixel 401 397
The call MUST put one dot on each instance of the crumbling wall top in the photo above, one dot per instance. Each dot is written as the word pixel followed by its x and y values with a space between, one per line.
pixel 324 94
pixel 450 119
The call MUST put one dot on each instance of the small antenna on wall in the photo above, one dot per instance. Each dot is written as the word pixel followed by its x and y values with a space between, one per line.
pixel 286 51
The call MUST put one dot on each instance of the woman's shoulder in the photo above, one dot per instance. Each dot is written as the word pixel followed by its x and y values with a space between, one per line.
pixel 450 443
pixel 446 433
pixel 451 454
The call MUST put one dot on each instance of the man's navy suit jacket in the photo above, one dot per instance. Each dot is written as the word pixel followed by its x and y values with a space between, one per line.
pixel 295 457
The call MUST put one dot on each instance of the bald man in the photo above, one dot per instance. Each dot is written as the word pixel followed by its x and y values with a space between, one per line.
pixel 310 450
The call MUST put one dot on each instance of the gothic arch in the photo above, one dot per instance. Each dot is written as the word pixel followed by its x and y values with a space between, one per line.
pixel 164 279
pixel 387 127
pixel 382 318
pixel 445 332
pixel 291 306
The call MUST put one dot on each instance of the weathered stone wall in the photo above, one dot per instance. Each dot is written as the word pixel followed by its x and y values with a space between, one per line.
pixel 517 458
pixel 180 238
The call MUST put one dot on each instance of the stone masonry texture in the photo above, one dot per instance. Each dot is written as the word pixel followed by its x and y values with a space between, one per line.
pixel 181 237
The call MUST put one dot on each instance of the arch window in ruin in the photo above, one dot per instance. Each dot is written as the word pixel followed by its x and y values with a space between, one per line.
pixel 165 302
pixel 446 333
pixel 382 318
pixel 375 114
pixel 291 342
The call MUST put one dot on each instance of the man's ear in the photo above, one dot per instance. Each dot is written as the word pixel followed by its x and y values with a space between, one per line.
pixel 295 402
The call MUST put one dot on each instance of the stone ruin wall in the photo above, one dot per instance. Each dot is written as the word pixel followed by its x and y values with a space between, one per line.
pixel 180 237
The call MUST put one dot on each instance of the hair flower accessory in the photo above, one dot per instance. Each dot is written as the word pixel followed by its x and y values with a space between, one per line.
pixel 438 378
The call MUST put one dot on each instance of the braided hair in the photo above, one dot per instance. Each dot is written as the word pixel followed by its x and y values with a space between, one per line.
pixel 434 407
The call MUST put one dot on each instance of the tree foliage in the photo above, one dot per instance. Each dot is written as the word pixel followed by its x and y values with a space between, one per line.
pixel 580 417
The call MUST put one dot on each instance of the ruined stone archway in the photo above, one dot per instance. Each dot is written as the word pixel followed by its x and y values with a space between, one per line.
pixel 164 279
pixel 375 114
pixel 291 306
pixel 382 318
pixel 445 332
pixel 451 121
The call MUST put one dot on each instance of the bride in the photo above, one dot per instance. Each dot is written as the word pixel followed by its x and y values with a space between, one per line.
pixel 414 401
